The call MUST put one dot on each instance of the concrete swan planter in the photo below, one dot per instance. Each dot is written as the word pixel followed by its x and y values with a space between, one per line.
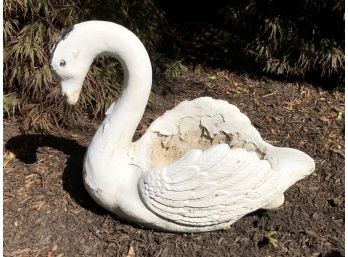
pixel 199 167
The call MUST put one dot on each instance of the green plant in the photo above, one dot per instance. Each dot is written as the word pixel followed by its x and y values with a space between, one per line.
pixel 173 69
pixel 270 238
pixel 10 104
pixel 301 38
pixel 30 29
pixel 144 18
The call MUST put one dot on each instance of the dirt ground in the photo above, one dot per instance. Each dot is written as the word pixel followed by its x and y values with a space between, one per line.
pixel 47 211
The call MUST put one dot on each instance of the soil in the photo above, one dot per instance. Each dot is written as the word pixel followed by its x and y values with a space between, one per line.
pixel 47 211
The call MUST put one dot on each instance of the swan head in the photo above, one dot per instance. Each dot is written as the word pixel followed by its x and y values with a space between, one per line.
pixel 70 62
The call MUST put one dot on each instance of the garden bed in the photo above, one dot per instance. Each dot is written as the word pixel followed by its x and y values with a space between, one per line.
pixel 47 211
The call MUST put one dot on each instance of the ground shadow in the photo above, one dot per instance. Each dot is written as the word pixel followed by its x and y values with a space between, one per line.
pixel 25 148
pixel 259 213
pixel 333 253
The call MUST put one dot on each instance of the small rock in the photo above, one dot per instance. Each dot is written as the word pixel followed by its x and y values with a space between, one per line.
pixel 315 216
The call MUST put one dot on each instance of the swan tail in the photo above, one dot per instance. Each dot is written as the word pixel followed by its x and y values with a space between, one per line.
pixel 295 163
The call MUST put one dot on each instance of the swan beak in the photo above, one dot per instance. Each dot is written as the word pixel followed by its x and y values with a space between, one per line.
pixel 72 98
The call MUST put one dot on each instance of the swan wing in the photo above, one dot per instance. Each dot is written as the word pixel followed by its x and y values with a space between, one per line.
pixel 210 187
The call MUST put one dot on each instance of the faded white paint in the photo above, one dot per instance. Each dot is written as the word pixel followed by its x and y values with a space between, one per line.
pixel 199 167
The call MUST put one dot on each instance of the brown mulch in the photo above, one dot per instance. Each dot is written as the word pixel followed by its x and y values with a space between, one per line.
pixel 47 211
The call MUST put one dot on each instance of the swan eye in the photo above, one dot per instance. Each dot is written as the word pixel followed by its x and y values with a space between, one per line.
pixel 62 63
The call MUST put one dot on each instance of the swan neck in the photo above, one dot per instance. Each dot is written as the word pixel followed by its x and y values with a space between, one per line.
pixel 118 128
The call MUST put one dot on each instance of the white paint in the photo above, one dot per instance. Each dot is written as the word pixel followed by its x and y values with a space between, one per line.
pixel 199 167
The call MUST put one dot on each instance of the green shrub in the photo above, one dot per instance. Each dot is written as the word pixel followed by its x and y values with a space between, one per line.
pixel 144 18
pixel 10 103
pixel 301 38
pixel 30 29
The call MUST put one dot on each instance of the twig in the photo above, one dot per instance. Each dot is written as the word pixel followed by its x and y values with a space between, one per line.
pixel 273 93
pixel 14 253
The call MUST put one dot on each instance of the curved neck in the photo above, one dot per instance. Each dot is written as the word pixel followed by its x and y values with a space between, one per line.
pixel 117 130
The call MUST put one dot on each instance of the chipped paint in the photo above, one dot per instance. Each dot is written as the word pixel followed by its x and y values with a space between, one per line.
pixel 195 133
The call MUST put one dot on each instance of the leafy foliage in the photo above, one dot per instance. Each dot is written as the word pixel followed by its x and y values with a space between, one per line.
pixel 300 38
pixel 10 103
pixel 30 29
pixel 144 18
pixel 295 38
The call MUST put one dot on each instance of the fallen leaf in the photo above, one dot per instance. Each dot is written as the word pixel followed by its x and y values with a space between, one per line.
pixel 8 156
pixel 340 116
pixel 131 252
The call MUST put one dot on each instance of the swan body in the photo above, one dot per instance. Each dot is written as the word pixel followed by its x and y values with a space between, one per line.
pixel 199 167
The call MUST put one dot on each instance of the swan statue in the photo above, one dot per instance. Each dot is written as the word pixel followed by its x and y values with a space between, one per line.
pixel 199 167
